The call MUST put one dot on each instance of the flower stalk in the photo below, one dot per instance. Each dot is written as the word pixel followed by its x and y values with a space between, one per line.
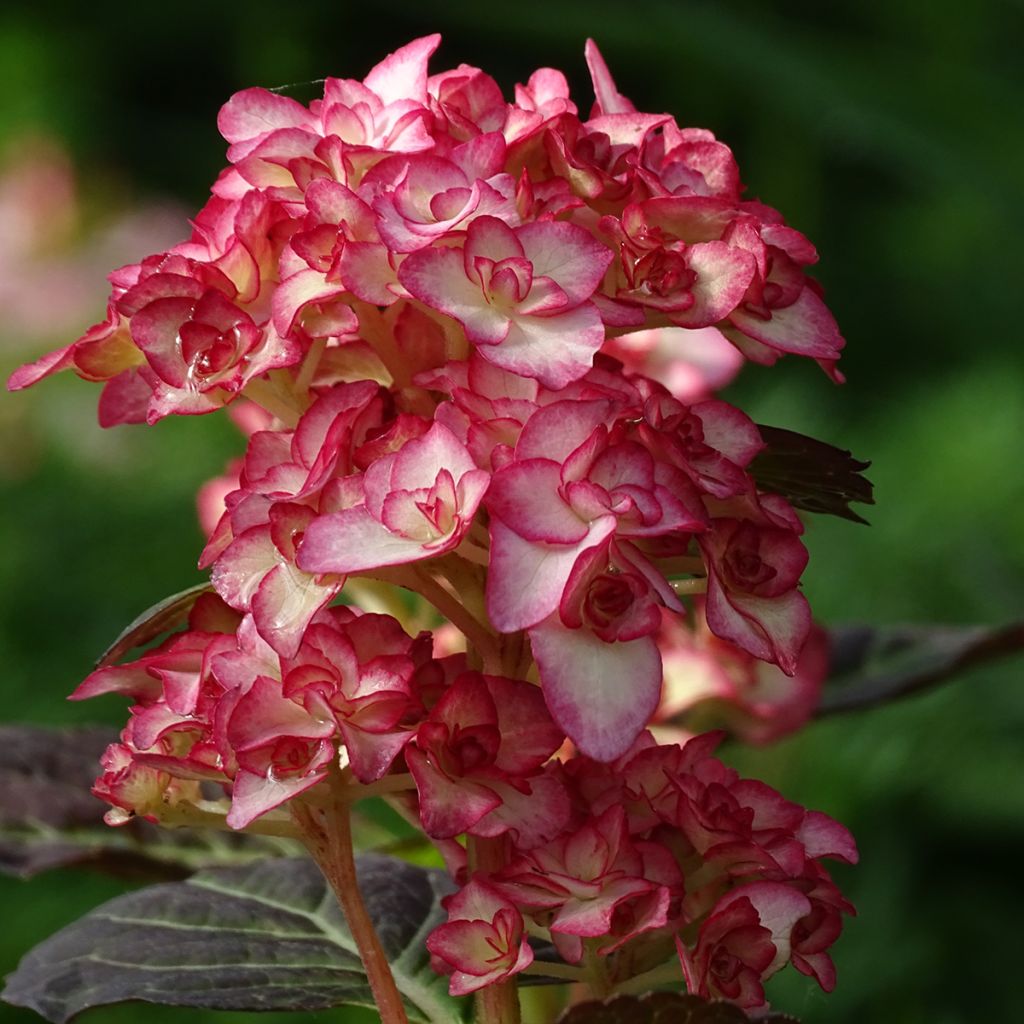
pixel 327 835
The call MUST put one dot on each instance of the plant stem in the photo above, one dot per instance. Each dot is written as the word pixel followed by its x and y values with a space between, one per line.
pixel 660 975
pixel 377 332
pixel 267 393
pixel 596 970
pixel 328 836
pixel 374 596
pixel 691 565
pixel 309 366
pixel 188 815
pixel 459 616
pixel 698 585
pixel 397 783
pixel 544 969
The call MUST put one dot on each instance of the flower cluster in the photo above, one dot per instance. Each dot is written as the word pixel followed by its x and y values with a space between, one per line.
pixel 473 345
pixel 665 845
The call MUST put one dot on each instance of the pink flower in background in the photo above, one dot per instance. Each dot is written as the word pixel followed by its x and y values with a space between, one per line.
pixel 52 266
pixel 692 364
pixel 709 683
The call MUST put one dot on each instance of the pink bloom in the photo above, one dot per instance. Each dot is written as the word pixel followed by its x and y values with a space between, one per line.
pixel 783 310
pixel 201 352
pixel 359 674
pixel 543 99
pixel 694 281
pixel 752 598
pixel 598 157
pixel 708 679
pixel 815 932
pixel 416 503
pixel 280 146
pixel 426 197
pixel 257 573
pixel 465 102
pixel 296 465
pixel 692 364
pixel 185 329
pixel 484 941
pixel 520 294
pixel 478 761
pixel 282 748
pixel 593 882
pixel 337 251
pixel 554 511
pixel 599 663
pixel 744 942
pixel 687 161
pixel 131 788
pixel 168 745
pixel 712 442
pixel 570 488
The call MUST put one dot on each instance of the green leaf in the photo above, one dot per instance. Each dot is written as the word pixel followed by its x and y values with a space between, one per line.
pixel 49 819
pixel 663 1008
pixel 812 475
pixel 872 666
pixel 267 936
pixel 159 618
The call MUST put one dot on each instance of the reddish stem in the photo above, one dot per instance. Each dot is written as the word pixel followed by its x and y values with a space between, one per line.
pixel 328 836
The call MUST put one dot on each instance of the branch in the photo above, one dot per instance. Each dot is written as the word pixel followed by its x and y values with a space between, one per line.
pixel 862 674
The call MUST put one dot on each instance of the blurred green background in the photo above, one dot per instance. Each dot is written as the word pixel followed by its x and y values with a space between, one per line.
pixel 889 132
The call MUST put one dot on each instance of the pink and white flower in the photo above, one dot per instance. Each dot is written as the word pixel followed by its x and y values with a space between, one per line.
pixel 520 294
pixel 483 942
pixel 743 943
pixel 415 503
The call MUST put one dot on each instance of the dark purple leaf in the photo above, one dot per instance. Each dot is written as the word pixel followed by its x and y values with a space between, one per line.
pixel 663 1008
pixel 49 819
pixel 812 475
pixel 266 936
pixel 160 618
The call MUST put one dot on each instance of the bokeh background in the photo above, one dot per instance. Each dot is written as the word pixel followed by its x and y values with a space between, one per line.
pixel 889 132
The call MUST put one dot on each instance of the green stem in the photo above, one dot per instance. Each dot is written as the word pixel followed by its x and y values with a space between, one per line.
pixel 664 974
pixel 190 816
pixel 385 786
pixel 595 970
pixel 543 969
pixel 268 394
pixel 698 585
